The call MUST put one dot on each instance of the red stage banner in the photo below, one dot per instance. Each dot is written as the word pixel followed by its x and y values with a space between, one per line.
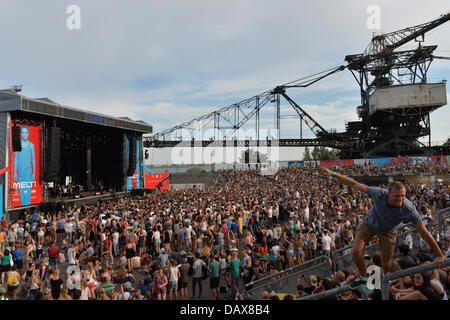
pixel 399 160
pixel 153 179
pixel 335 163
pixel 25 184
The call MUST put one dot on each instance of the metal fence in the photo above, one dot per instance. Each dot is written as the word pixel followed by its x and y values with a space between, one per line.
pixel 287 282
pixel 403 273
pixel 384 283
pixel 442 218
pixel 334 293
pixel 341 259
pixel 345 259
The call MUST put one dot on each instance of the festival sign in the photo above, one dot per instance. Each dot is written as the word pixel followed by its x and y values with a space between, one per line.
pixel 25 184
pixel 152 180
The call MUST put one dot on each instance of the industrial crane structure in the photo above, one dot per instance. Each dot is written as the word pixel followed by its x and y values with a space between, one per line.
pixel 396 102
pixel 396 98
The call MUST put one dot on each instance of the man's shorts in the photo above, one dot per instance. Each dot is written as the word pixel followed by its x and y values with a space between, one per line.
pixel 183 285
pixel 386 240
pixel 214 283
pixel 173 285
pixel 19 264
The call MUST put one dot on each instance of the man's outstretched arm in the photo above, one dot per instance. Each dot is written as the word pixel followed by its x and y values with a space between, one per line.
pixel 439 260
pixel 346 180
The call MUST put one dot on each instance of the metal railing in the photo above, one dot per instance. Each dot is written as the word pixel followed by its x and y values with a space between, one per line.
pixel 338 262
pixel 285 284
pixel 403 273
pixel 442 217
pixel 335 292
pixel 343 261
pixel 384 283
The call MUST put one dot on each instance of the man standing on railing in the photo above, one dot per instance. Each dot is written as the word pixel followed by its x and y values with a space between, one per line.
pixel 389 210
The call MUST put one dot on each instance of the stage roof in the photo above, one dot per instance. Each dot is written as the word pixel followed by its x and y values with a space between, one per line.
pixel 11 101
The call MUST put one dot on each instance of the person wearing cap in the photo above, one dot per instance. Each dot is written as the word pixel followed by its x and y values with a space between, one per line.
pixel 391 208
pixel 17 256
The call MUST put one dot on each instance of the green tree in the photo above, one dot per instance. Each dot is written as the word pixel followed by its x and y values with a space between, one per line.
pixel 315 153
pixel 307 155
pixel 252 156
pixel 323 153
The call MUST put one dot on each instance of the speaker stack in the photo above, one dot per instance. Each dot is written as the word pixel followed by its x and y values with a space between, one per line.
pixel 53 153
pixel 132 157
pixel 16 142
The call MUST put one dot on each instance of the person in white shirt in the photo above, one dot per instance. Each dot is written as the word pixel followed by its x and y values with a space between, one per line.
pixel 71 254
pixel 115 243
pixel 270 215
pixel 188 236
pixel 326 244
pixel 69 230
pixel 306 214
pixel 409 241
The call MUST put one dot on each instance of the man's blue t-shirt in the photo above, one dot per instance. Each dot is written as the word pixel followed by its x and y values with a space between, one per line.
pixel 215 269
pixel 234 228
pixel 385 219
pixel 17 254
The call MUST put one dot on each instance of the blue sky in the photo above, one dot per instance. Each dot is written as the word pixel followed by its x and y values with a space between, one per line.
pixel 169 61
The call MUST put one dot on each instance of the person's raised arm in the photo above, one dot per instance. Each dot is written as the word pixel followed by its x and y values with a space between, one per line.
pixel 346 180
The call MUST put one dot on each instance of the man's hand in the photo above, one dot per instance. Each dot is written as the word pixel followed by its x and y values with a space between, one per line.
pixel 439 262
pixel 326 172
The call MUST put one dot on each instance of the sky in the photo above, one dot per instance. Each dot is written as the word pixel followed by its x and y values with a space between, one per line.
pixel 166 62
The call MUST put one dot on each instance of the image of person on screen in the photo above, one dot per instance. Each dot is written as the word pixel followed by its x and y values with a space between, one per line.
pixel 25 167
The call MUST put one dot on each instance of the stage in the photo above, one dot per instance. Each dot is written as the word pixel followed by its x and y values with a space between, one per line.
pixel 55 205
pixel 45 146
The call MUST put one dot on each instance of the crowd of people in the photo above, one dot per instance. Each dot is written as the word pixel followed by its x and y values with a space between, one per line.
pixel 408 167
pixel 170 245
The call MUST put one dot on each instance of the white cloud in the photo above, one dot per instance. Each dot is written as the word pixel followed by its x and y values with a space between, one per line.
pixel 166 62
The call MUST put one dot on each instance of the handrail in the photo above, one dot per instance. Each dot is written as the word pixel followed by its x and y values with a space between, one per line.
pixel 406 272
pixel 334 258
pixel 286 270
pixel 439 220
pixel 271 276
pixel 384 283
pixel 335 291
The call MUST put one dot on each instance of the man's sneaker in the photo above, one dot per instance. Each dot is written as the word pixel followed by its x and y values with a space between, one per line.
pixel 357 282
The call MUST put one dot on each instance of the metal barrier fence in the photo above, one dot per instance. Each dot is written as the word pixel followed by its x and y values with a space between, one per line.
pixel 287 283
pixel 335 292
pixel 403 273
pixel 442 217
pixel 345 260
pixel 384 283
pixel 341 259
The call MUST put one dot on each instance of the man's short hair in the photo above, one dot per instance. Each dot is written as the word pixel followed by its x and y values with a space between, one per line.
pixel 404 249
pixel 396 185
